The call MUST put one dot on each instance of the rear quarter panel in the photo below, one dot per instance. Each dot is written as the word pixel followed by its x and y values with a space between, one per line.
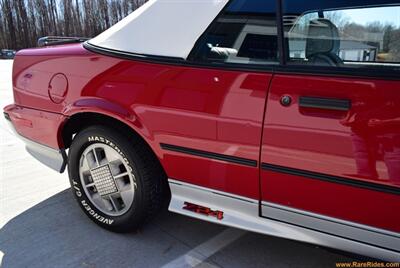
pixel 205 109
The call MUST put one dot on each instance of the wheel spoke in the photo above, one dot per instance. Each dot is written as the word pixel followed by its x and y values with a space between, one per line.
pixel 121 175
pixel 100 155
pixel 96 157
pixel 84 164
pixel 91 160
pixel 100 202
pixel 90 185
pixel 115 167
pixel 114 204
pixel 112 155
pixel 127 197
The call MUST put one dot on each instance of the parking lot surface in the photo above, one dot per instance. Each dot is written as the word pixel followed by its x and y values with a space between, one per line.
pixel 41 226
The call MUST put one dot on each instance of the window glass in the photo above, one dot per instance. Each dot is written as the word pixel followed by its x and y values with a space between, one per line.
pixel 245 33
pixel 345 37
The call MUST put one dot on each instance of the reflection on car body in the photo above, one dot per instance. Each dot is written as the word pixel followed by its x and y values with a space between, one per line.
pixel 278 117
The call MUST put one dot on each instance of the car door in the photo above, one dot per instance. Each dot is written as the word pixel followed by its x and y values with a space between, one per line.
pixel 217 105
pixel 330 148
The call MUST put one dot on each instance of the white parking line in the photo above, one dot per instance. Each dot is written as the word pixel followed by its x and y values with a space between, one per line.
pixel 202 252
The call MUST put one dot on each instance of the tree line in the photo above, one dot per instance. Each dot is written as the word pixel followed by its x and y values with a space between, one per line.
pixel 22 22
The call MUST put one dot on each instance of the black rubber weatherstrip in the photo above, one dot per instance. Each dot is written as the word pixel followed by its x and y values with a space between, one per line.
pixel 313 71
pixel 131 56
pixel 332 179
pixel 200 153
pixel 175 61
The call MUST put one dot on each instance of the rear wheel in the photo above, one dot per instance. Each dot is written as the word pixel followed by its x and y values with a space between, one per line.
pixel 116 180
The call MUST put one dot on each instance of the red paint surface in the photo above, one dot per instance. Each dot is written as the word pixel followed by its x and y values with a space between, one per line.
pixel 361 144
pixel 39 126
pixel 222 112
pixel 197 108
pixel 358 205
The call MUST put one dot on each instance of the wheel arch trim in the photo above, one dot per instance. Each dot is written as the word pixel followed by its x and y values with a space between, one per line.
pixel 99 106
pixel 106 109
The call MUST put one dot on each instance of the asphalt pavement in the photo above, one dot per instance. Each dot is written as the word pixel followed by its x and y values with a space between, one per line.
pixel 42 226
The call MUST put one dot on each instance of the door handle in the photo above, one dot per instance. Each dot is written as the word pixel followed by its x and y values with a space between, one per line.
pixel 325 103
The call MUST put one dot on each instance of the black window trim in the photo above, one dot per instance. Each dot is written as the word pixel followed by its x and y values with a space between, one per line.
pixel 280 68
pixel 229 65
pixel 283 67
pixel 351 72
pixel 282 46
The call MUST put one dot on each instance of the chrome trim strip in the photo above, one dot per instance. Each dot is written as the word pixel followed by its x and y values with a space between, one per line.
pixel 243 213
pixel 331 219
pixel 349 230
pixel 52 158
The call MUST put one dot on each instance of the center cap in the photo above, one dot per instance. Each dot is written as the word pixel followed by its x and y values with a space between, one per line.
pixel 104 180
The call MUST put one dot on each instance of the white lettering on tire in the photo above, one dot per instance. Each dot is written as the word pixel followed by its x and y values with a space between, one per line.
pixel 111 144
pixel 77 190
pixel 88 208
pixel 95 215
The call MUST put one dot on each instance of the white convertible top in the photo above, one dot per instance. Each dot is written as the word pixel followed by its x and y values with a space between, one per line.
pixel 167 28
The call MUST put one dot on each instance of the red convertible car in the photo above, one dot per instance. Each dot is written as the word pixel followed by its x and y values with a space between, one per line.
pixel 278 117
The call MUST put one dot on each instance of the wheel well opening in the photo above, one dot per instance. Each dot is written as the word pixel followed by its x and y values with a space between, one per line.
pixel 78 122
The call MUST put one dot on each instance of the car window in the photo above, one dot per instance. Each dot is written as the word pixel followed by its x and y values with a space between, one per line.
pixel 345 37
pixel 244 33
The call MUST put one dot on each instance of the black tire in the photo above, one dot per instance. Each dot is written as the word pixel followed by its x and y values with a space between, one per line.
pixel 151 182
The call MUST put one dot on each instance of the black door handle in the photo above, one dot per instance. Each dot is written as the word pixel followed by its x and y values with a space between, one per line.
pixel 325 103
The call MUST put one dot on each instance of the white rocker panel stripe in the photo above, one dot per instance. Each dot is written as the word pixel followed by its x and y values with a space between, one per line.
pixel 243 213
pixel 167 28
pixel 359 232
